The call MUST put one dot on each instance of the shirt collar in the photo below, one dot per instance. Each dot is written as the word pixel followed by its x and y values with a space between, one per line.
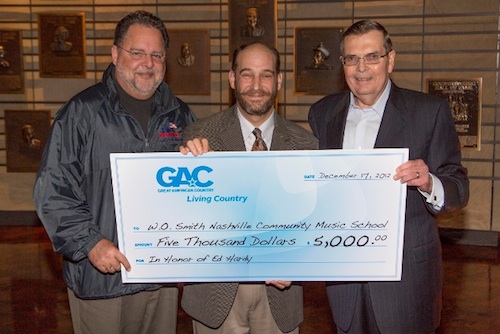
pixel 379 106
pixel 266 128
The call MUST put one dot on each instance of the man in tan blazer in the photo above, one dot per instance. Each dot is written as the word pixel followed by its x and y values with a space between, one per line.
pixel 250 307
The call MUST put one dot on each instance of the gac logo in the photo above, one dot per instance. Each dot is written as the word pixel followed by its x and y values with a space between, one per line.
pixel 182 176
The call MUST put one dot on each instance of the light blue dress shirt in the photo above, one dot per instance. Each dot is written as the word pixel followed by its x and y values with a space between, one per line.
pixel 361 132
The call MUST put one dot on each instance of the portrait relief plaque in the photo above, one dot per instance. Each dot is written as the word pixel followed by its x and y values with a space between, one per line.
pixel 62 45
pixel 26 133
pixel 464 97
pixel 318 70
pixel 251 20
pixel 188 61
pixel 11 62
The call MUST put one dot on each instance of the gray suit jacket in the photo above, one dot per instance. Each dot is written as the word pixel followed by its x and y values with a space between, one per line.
pixel 210 303
pixel 422 123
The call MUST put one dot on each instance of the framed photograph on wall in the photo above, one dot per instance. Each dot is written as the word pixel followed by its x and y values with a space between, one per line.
pixel 26 133
pixel 188 61
pixel 465 99
pixel 251 20
pixel 318 70
pixel 61 40
pixel 11 62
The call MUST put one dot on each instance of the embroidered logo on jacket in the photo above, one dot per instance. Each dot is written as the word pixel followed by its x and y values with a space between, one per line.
pixel 169 132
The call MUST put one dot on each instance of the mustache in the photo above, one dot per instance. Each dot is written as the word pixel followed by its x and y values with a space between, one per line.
pixel 147 71
pixel 256 92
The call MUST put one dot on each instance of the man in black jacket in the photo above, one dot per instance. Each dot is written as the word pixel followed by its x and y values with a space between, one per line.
pixel 375 113
pixel 131 110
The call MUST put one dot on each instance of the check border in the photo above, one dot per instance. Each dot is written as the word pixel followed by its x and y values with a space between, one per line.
pixel 259 216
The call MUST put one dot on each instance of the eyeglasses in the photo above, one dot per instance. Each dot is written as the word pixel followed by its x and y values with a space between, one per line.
pixel 139 55
pixel 371 58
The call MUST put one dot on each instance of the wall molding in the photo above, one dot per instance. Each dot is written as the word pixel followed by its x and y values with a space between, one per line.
pixel 468 237
pixel 19 218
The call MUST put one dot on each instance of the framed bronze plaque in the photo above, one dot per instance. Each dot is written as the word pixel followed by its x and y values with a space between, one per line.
pixel 11 62
pixel 26 133
pixel 188 62
pixel 251 20
pixel 61 39
pixel 464 96
pixel 318 70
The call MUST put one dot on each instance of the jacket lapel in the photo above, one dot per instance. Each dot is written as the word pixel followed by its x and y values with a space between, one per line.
pixel 336 126
pixel 393 122
pixel 231 136
pixel 391 129
pixel 280 135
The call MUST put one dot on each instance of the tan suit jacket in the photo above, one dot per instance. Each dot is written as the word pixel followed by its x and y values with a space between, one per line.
pixel 210 303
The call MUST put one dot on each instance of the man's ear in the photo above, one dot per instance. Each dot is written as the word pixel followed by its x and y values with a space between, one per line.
pixel 114 54
pixel 232 78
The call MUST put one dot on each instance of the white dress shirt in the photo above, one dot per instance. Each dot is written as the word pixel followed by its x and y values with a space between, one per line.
pixel 267 129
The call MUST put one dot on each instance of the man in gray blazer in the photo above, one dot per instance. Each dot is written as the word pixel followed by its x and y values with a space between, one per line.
pixel 378 114
pixel 254 307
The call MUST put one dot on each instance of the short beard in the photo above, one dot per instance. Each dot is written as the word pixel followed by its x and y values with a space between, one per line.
pixel 132 85
pixel 249 108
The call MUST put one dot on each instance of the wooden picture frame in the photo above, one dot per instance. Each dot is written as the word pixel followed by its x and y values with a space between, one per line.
pixel 188 61
pixel 11 62
pixel 26 133
pixel 61 38
pixel 465 99
pixel 318 75
pixel 251 21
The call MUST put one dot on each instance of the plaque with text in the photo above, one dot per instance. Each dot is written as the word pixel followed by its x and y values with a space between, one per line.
pixel 62 45
pixel 318 70
pixel 188 61
pixel 251 21
pixel 11 62
pixel 26 133
pixel 464 97
pixel 255 216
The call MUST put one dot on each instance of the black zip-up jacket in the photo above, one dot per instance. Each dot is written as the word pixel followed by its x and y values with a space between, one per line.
pixel 73 191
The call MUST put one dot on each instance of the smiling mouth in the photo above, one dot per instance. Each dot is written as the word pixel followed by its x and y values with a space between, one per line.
pixel 147 72
pixel 255 96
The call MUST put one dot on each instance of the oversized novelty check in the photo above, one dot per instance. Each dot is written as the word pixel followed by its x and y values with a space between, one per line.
pixel 328 215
